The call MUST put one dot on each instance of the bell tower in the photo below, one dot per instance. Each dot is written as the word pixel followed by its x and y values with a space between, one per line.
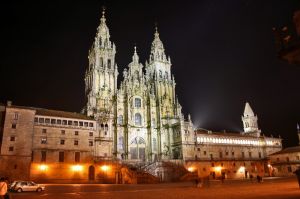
pixel 250 121
pixel 102 72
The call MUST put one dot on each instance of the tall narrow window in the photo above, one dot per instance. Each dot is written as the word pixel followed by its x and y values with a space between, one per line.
pixel 43 156
pixel 154 144
pixel 137 102
pixel 259 154
pixel 109 64
pixel 120 119
pixel 16 116
pixel 77 156
pixel 243 154
pixel 250 154
pixel 160 74
pixel 166 75
pixel 138 119
pixel 61 157
pixel 101 62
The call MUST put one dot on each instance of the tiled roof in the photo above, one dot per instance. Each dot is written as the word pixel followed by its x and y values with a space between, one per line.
pixel 294 149
pixel 54 113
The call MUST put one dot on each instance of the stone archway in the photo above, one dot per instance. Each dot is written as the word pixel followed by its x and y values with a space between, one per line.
pixel 91 172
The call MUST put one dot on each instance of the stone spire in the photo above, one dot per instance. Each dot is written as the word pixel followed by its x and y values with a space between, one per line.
pixel 250 121
pixel 248 110
pixel 103 31
pixel 157 48
pixel 135 57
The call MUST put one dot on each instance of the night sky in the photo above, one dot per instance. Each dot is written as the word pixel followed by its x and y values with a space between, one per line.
pixel 223 54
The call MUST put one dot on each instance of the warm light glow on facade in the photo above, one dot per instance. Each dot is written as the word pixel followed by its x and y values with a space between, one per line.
pixel 77 168
pixel 242 169
pixel 104 168
pixel 218 169
pixel 235 141
pixel 43 167
pixel 190 169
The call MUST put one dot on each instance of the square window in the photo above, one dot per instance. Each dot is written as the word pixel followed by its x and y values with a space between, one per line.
pixel 44 141
pixel 85 124
pixel 80 123
pixel 64 122
pixel 232 153
pixel 62 142
pixel 53 121
pixel 11 148
pixel 12 138
pixel 91 143
pixel 47 121
pixel 198 149
pixel 70 122
pixel 75 123
pixel 58 121
pixel 41 120
pixel 36 119
pixel 44 130
pixel 14 126
pixel 63 132
pixel 91 124
pixel 76 132
pixel 204 152
pixel 91 133
pixel 75 142
pixel 226 152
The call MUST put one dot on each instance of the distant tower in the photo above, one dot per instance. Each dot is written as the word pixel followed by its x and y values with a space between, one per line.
pixel 250 121
pixel 298 130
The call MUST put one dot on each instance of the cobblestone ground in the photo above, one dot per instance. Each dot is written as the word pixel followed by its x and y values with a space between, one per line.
pixel 275 188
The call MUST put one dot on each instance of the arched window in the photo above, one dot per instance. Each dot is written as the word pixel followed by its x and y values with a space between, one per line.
pixel 137 102
pixel 138 119
pixel 166 75
pixel 106 127
pixel 120 119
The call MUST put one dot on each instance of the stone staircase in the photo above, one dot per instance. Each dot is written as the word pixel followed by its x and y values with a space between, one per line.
pixel 166 171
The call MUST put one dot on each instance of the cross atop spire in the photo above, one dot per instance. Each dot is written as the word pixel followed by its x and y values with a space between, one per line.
pixel 103 15
pixel 135 57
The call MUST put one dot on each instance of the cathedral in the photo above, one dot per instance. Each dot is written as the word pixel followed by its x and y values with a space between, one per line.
pixel 131 133
pixel 142 119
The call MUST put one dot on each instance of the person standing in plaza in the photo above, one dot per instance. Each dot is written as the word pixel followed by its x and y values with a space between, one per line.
pixel 297 173
pixel 3 188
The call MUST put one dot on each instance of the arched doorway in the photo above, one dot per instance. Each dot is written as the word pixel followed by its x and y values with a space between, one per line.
pixel 91 172
pixel 137 148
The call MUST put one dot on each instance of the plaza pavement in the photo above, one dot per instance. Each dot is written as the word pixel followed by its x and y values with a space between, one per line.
pixel 273 188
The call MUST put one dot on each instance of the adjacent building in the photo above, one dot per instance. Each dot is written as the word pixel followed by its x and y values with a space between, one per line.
pixel 286 161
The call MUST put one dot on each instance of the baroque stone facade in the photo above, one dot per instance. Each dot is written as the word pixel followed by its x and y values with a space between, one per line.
pixel 140 123
pixel 142 120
